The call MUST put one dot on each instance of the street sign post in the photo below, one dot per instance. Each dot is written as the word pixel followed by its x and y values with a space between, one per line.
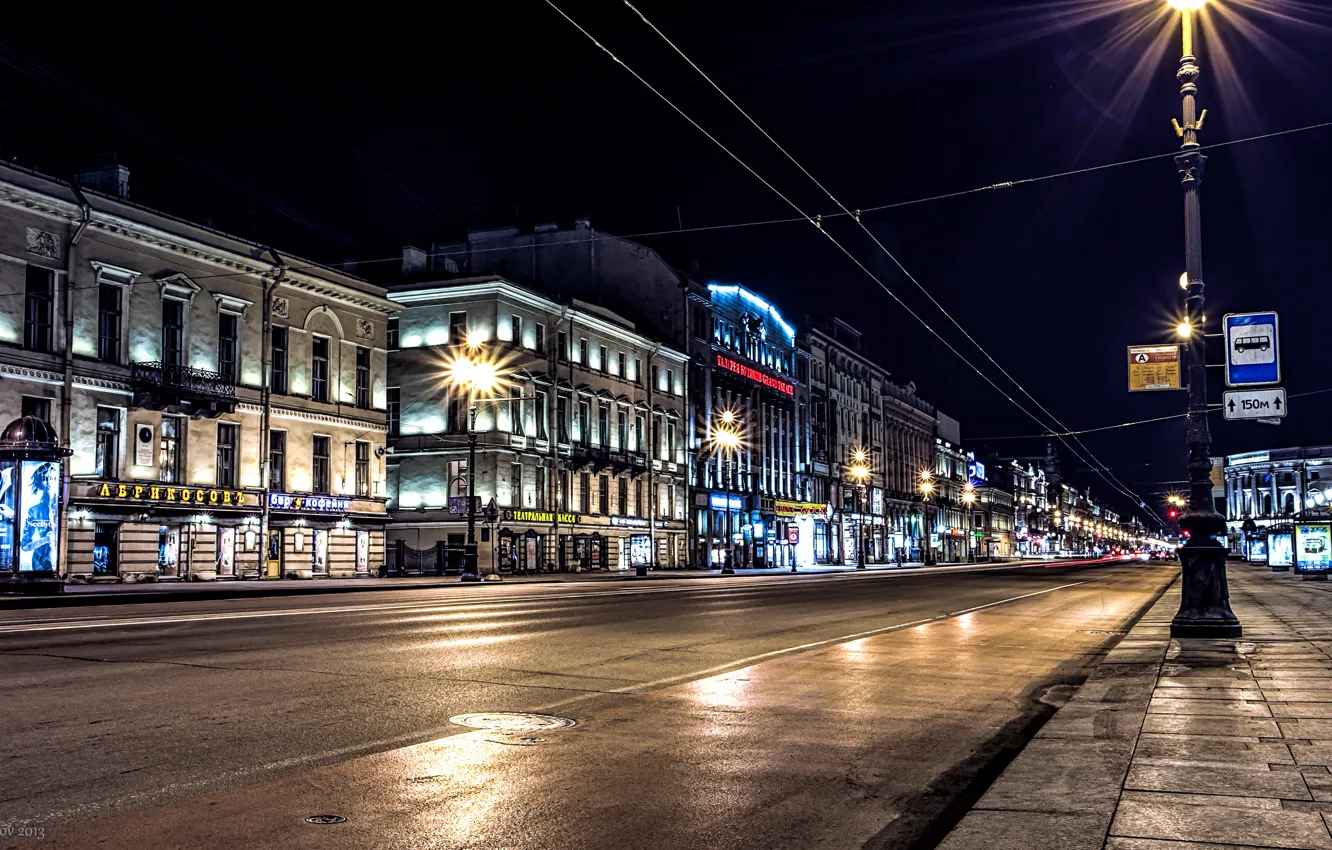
pixel 1252 355
pixel 1153 367
pixel 1255 404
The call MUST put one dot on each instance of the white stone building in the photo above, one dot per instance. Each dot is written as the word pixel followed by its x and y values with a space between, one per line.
pixel 582 451
pixel 141 338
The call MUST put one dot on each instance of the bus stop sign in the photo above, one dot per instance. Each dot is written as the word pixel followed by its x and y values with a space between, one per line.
pixel 1252 355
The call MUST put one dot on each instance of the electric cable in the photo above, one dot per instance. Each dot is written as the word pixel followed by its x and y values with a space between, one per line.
pixel 812 220
pixel 1109 478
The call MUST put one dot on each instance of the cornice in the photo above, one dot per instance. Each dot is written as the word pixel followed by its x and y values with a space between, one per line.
pixel 282 412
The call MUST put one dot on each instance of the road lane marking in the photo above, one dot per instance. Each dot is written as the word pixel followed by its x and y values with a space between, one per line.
pixel 729 588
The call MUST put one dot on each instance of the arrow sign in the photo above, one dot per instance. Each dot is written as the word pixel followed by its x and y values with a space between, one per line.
pixel 1255 404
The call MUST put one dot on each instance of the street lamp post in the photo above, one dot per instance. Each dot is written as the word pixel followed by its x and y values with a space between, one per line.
pixel 926 489
pixel 860 472
pixel 726 440
pixel 472 372
pixel 969 499
pixel 1204 609
pixel 469 572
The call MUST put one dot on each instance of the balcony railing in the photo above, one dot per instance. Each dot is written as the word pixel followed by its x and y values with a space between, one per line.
pixel 158 385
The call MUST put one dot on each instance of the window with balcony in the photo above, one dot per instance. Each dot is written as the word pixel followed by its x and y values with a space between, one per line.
pixel 228 344
pixel 623 423
pixel 226 454
pixel 277 460
pixel 108 322
pixel 169 450
pixel 362 377
pixel 562 419
pixel 319 368
pixel 278 363
pixel 603 426
pixel 540 415
pixel 173 332
pixel 107 461
pixel 362 469
pixel 38 301
pixel 584 423
pixel 319 471
pixel 516 411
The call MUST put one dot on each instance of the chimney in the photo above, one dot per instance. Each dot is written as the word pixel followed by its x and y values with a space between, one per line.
pixel 110 180
pixel 413 261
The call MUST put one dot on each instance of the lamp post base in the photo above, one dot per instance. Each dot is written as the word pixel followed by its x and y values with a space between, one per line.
pixel 640 572
pixel 1204 608
pixel 469 572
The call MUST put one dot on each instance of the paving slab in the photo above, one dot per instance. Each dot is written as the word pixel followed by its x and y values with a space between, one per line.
pixel 982 830
pixel 1208 707
pixel 1240 780
pixel 1174 821
pixel 1240 727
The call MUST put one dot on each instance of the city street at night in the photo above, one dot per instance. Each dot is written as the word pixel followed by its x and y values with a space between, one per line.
pixel 792 711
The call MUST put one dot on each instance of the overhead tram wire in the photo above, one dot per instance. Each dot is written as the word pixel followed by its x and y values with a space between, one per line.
pixel 1108 476
pixel 1211 408
pixel 675 231
pixel 811 220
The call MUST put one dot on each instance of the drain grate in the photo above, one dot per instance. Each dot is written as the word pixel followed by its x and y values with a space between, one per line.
pixel 325 820
pixel 503 721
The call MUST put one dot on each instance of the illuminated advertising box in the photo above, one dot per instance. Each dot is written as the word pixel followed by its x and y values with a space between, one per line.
pixel 1313 547
pixel 1278 550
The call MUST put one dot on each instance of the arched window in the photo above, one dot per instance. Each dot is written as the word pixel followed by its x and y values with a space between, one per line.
pixel 1290 503
pixel 1267 504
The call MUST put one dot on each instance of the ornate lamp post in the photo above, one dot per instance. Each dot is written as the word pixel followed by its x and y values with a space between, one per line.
pixel 860 472
pixel 1204 609
pixel 926 492
pixel 476 375
pixel 726 441
pixel 969 499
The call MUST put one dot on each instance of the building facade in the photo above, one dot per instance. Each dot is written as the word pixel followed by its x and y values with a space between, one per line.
pixel 142 339
pixel 581 450
pixel 1276 487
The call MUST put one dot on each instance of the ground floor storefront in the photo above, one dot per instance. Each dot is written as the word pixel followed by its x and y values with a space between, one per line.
pixel 149 531
pixel 524 542
pixel 725 527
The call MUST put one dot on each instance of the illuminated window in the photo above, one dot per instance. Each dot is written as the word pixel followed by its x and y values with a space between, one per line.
pixel 169 449
pixel 173 332
pixel 362 377
pixel 228 345
pixel 362 468
pixel 278 363
pixel 277 460
pixel 108 323
pixel 226 454
pixel 108 442
pixel 319 368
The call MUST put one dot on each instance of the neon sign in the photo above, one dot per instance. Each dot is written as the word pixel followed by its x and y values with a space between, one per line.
pixel 755 375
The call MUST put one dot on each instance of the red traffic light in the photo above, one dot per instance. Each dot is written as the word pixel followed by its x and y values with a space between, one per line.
pixel 1172 513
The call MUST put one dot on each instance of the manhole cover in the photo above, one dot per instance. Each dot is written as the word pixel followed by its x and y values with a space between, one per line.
pixel 512 721
pixel 325 820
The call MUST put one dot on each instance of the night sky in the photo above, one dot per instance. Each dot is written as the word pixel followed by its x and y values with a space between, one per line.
pixel 349 138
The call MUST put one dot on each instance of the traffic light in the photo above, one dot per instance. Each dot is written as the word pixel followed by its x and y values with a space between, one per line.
pixel 1172 513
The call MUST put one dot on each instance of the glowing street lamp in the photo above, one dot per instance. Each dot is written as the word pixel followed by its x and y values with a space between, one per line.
pixel 860 472
pixel 478 376
pixel 1204 608
pixel 926 491
pixel 726 440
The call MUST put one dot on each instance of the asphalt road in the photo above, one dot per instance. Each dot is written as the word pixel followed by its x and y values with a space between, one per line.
pixel 794 711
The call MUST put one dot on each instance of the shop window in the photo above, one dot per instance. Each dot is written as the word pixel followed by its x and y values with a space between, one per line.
pixel 168 551
pixel 362 377
pixel 319 468
pixel 226 551
pixel 278 365
pixel 107 457
pixel 226 454
pixel 105 554
pixel 277 460
pixel 169 449
pixel 319 550
pixel 319 368
pixel 108 322
pixel 362 551
pixel 362 468
pixel 38 300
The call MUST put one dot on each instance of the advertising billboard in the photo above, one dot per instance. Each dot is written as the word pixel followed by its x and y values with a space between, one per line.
pixel 1279 552
pixel 38 525
pixel 1313 547
pixel 7 489
pixel 640 550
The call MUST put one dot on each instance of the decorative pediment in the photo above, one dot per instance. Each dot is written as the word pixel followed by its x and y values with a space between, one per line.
pixel 178 286
pixel 231 303
pixel 107 273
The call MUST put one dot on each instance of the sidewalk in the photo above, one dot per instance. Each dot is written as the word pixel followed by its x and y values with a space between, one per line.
pixel 1184 744
pixel 110 594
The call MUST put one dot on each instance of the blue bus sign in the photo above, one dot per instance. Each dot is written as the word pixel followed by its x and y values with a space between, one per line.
pixel 1252 355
